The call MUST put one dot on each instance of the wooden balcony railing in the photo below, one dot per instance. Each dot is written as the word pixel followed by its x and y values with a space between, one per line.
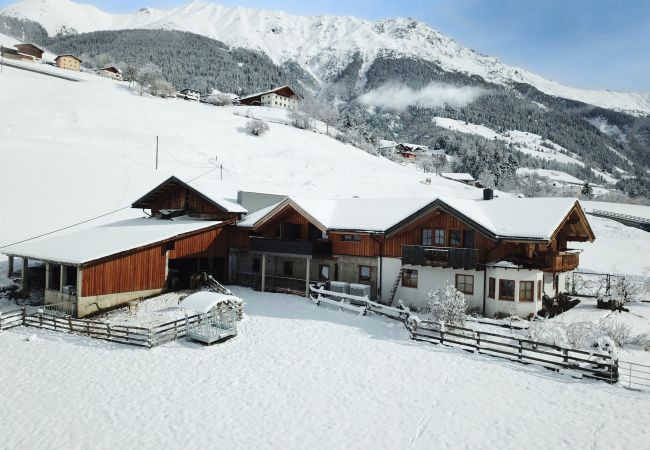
pixel 457 258
pixel 562 261
pixel 290 246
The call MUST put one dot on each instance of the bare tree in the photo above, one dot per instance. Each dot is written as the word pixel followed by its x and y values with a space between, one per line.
pixel 257 127
pixel 131 74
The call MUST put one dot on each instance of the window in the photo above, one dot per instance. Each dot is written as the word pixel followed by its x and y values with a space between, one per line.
pixel 256 265
pixel 324 272
pixel 526 289
pixel 351 238
pixel 469 238
pixel 454 238
pixel 507 290
pixel 539 290
pixel 364 274
pixel 427 237
pixel 492 287
pixel 439 237
pixel 288 269
pixel 410 278
pixel 465 284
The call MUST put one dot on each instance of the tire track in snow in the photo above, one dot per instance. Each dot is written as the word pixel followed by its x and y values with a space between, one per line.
pixel 424 419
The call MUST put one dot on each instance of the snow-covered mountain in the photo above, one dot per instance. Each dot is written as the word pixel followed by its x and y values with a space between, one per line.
pixel 322 45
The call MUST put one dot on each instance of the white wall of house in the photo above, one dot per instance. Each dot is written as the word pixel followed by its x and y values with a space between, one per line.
pixel 431 278
pixel 274 100
pixel 515 306
pixel 390 269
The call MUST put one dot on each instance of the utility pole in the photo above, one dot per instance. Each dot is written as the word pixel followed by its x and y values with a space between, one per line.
pixel 156 152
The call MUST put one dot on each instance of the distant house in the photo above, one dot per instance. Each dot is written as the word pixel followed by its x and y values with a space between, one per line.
pixel 11 53
pixel 282 97
pixel 461 177
pixel 68 62
pixel 405 150
pixel 111 72
pixel 190 94
pixel 30 50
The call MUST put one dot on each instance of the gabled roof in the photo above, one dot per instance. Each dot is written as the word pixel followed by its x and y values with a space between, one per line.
pixel 274 90
pixel 517 219
pixel 71 56
pixel 204 192
pixel 84 246
pixel 460 176
pixel 30 45
pixel 111 69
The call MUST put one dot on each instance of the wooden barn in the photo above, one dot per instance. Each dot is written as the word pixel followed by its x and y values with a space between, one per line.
pixel 105 266
pixel 31 50
pixel 111 72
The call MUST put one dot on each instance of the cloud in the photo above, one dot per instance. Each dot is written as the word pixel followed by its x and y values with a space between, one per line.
pixel 399 96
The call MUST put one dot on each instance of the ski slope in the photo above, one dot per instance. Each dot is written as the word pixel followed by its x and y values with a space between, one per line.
pixel 327 43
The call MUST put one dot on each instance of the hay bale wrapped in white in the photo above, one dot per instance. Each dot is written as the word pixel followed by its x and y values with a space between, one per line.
pixel 218 316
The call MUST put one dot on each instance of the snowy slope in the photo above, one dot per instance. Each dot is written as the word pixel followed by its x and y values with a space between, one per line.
pixel 80 149
pixel 300 377
pixel 326 43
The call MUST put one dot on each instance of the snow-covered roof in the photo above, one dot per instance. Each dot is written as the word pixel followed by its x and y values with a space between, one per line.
pixel 350 214
pixel 208 191
pixel 270 91
pixel 204 301
pixel 90 244
pixel 462 176
pixel 499 218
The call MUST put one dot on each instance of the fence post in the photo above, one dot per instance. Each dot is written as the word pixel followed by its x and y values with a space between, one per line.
pixel 565 353
pixel 521 350
pixel 478 342
pixel 442 337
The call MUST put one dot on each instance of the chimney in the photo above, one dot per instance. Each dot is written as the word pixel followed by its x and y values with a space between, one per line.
pixel 488 194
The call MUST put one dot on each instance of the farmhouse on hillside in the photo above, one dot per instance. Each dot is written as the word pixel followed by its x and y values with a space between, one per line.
pixel 68 62
pixel 111 72
pixel 11 53
pixel 105 266
pixel 282 97
pixel 503 254
pixel 30 50
pixel 190 94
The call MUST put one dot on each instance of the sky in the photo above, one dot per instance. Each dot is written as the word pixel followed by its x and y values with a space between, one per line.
pixel 580 43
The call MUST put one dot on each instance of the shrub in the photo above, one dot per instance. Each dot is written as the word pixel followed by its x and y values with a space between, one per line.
pixel 257 127
pixel 447 304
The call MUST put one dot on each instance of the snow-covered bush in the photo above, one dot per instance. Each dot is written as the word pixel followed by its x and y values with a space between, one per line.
pixel 218 99
pixel 616 330
pixel 642 340
pixel 624 289
pixel 299 120
pixel 548 332
pixel 446 304
pixel 605 335
pixel 257 127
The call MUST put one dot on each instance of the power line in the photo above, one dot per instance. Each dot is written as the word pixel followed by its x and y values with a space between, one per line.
pixel 94 218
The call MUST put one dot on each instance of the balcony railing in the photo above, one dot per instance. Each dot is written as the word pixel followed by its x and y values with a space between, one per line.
pixel 457 258
pixel 291 247
pixel 562 261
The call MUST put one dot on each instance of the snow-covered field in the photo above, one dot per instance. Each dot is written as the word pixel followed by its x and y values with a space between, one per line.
pixel 299 376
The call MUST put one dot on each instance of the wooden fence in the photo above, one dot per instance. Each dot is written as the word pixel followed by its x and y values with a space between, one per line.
pixel 587 364
pixel 121 334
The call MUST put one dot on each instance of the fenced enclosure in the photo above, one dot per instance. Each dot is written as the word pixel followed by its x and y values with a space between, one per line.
pixel 634 376
pixel 587 364
pixel 593 284
pixel 121 334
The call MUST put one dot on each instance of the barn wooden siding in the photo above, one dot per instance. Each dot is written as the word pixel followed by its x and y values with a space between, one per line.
pixel 367 246
pixel 138 271
pixel 144 269
pixel 195 205
pixel 289 215
pixel 240 237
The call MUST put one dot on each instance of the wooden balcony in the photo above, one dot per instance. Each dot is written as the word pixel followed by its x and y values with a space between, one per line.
pixel 322 248
pixel 562 261
pixel 454 257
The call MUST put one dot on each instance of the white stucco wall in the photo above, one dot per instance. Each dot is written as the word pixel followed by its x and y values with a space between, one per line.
pixel 522 309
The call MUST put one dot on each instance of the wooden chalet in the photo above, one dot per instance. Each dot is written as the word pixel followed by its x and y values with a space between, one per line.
pixel 281 97
pixel 102 267
pixel 30 50
pixel 68 62
pixel 111 72
pixel 414 247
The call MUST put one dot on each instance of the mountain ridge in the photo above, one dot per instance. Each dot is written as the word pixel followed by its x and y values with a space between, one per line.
pixel 328 44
